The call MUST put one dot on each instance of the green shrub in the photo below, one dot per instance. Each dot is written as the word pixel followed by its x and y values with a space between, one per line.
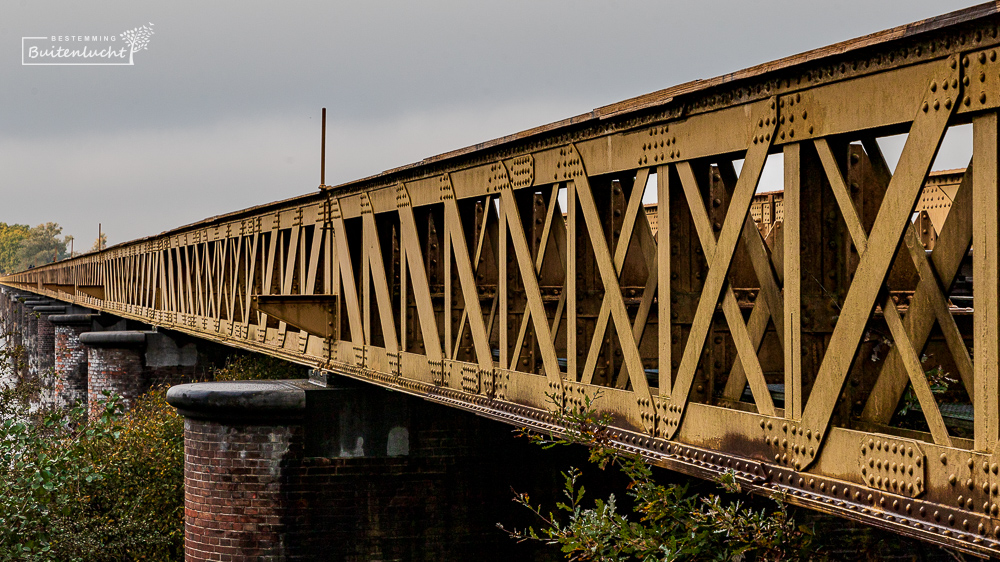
pixel 668 522
pixel 258 367
pixel 109 488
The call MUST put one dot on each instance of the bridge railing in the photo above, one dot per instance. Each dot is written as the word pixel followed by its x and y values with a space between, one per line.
pixel 517 277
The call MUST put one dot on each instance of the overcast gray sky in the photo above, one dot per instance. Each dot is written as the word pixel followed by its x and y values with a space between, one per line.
pixel 221 112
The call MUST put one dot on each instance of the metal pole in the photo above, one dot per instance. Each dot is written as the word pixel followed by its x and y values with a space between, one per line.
pixel 322 154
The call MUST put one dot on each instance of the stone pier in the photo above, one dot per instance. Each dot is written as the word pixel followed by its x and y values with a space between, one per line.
pixel 45 351
pixel 71 361
pixel 130 362
pixel 327 468
pixel 29 334
pixel 288 470
pixel 114 366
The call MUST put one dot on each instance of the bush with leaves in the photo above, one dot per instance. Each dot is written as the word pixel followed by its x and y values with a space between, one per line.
pixel 668 521
pixel 107 488
pixel 257 367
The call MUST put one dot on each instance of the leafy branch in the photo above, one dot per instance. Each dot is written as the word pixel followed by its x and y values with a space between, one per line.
pixel 667 521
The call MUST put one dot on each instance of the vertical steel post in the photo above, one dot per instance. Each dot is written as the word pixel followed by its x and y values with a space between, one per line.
pixel 986 342
pixel 793 280
pixel 322 153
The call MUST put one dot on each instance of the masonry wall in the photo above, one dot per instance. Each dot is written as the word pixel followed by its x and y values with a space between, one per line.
pixel 29 365
pixel 116 370
pixel 257 492
pixel 19 340
pixel 130 362
pixel 45 362
pixel 286 491
pixel 234 489
pixel 176 359
pixel 10 337
pixel 70 365
pixel 46 341
pixel 440 503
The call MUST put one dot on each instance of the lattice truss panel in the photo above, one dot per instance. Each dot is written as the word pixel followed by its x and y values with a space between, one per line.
pixel 519 276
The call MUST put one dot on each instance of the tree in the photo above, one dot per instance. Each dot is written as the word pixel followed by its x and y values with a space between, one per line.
pixel 137 39
pixel 42 245
pixel 100 243
pixel 11 236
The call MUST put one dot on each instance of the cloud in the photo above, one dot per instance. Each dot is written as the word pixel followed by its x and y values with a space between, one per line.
pixel 221 112
pixel 139 183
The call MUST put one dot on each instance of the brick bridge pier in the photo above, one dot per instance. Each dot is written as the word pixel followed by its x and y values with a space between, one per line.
pixel 319 469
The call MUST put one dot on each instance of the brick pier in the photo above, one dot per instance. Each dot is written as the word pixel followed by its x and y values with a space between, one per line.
pixel 70 358
pixel 289 471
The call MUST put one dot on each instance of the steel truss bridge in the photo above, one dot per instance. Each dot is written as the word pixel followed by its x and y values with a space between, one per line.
pixel 521 275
